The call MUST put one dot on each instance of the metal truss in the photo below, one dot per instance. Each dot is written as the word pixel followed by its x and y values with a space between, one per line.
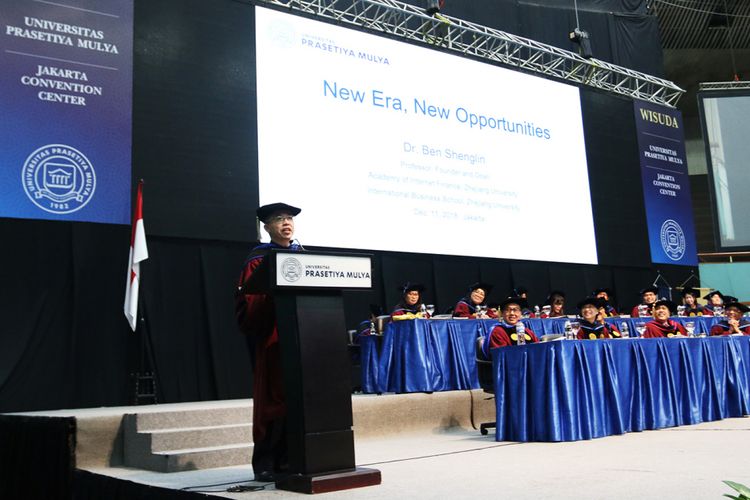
pixel 734 85
pixel 406 21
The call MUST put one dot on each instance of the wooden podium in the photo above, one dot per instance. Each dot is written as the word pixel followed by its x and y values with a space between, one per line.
pixel 306 287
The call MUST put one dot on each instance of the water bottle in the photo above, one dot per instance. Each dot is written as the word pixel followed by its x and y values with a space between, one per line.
pixel 423 310
pixel 625 331
pixel 568 331
pixel 372 328
pixel 520 334
pixel 537 313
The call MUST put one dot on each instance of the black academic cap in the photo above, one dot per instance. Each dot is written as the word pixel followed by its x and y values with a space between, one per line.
pixel 481 284
pixel 608 291
pixel 711 294
pixel 266 211
pixel 729 298
pixel 690 291
pixel 664 302
pixel 410 287
pixel 588 301
pixel 739 305
pixel 511 300
pixel 651 288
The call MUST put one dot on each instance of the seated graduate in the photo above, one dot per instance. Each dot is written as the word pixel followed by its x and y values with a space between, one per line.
pixel 661 325
pixel 523 294
pixel 592 323
pixel 690 301
pixel 411 301
pixel 648 297
pixel 608 296
pixel 734 322
pixel 715 299
pixel 614 330
pixel 554 305
pixel 475 299
pixel 504 334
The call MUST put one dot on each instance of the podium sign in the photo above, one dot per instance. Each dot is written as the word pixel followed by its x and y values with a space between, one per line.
pixel 301 269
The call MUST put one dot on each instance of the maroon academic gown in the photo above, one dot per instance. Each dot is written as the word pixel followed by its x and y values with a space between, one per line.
pixel 634 312
pixel 593 331
pixel 256 317
pixel 501 336
pixel 723 328
pixel 465 309
pixel 655 329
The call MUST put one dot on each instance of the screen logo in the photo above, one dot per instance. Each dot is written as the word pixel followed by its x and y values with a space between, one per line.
pixel 291 269
pixel 672 239
pixel 58 179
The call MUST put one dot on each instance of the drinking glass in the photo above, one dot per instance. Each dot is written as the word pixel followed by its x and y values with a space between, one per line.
pixel 690 327
pixel 640 328
pixel 719 311
pixel 680 310
pixel 642 310
pixel 430 309
pixel 546 310
pixel 575 326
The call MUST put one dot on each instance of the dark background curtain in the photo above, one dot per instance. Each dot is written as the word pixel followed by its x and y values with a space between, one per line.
pixel 64 341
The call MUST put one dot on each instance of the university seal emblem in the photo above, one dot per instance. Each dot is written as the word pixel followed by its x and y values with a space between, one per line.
pixel 58 179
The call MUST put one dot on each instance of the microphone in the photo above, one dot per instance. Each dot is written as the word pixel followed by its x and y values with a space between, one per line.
pixel 298 244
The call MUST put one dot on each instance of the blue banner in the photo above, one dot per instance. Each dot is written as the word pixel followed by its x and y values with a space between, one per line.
pixel 666 186
pixel 65 108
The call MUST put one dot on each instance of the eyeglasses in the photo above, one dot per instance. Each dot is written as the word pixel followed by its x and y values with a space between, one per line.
pixel 280 219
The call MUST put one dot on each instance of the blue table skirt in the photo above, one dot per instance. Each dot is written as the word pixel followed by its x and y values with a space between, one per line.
pixel 572 390
pixel 439 355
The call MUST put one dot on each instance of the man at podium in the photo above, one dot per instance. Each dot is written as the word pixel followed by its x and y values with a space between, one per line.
pixel 257 321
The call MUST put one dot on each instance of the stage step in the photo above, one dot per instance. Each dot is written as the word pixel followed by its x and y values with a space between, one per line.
pixel 173 441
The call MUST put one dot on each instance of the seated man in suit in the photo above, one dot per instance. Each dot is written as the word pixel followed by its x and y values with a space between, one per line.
pixel 734 322
pixel 648 297
pixel 661 325
pixel 504 333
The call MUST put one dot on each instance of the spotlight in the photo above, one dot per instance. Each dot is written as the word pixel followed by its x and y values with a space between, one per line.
pixel 581 37
pixel 432 7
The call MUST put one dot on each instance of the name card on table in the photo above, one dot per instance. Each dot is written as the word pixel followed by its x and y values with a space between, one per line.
pixel 301 269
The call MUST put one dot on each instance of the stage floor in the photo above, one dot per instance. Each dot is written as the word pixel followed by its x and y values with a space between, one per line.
pixel 426 447
pixel 687 462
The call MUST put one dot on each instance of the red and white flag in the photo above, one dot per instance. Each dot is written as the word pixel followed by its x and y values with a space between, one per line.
pixel 138 253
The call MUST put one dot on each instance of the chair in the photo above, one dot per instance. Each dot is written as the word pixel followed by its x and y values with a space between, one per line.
pixel 486 382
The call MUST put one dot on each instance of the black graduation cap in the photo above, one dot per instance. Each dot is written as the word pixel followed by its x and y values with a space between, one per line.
pixel 266 211
pixel 690 291
pixel 608 291
pixel 652 288
pixel 664 302
pixel 729 298
pixel 511 300
pixel 711 294
pixel 739 305
pixel 410 287
pixel 481 284
pixel 588 301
